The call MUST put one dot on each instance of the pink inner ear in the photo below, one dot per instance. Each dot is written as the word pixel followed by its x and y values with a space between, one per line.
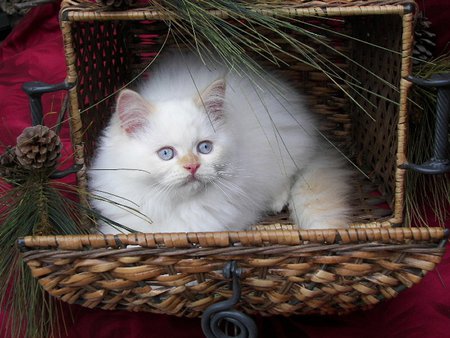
pixel 214 105
pixel 213 98
pixel 133 111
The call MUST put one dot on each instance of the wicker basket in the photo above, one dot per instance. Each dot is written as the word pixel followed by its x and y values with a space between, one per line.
pixel 283 270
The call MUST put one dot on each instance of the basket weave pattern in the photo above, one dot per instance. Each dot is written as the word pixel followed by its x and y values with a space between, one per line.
pixel 285 271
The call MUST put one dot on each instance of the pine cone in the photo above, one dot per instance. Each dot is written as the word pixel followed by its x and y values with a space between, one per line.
pixel 424 41
pixel 118 4
pixel 38 147
pixel 8 164
pixel 10 7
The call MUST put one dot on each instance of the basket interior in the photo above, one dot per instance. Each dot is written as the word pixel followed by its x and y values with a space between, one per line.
pixel 358 109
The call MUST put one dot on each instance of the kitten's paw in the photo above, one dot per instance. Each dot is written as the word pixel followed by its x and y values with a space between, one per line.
pixel 317 214
pixel 319 199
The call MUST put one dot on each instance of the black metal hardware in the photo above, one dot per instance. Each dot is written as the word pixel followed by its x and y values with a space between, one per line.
pixel 223 312
pixel 35 90
pixel 439 163
pixel 63 173
pixel 444 241
pixel 409 8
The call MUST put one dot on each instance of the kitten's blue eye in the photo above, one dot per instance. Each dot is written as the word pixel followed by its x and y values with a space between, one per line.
pixel 166 153
pixel 205 147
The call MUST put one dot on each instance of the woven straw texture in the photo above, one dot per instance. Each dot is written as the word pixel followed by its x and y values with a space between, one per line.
pixel 285 271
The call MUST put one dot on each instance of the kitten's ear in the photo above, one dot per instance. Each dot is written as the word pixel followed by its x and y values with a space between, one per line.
pixel 133 111
pixel 213 99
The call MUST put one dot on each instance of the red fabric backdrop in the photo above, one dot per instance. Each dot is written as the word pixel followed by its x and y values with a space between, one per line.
pixel 33 52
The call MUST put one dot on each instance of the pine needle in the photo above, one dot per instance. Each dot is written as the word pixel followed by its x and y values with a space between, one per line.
pixel 35 205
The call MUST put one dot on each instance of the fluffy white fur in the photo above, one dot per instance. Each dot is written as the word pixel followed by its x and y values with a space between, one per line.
pixel 265 155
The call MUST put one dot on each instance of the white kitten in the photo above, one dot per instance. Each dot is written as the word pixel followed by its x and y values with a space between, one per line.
pixel 204 149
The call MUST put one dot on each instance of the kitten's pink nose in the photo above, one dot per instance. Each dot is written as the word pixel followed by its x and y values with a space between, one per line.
pixel 192 167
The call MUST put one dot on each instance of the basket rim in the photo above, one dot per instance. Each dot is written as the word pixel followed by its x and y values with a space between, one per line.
pixel 237 238
pixel 82 10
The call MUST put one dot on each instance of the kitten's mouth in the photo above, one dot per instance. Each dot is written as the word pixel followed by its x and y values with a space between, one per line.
pixel 188 181
pixel 193 181
pixel 192 178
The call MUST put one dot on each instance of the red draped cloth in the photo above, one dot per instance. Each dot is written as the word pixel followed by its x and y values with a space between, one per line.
pixel 34 52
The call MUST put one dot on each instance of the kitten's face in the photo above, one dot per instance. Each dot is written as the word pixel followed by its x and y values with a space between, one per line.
pixel 186 152
pixel 182 146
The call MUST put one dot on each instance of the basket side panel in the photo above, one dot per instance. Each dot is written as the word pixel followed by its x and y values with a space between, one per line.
pixel 102 62
pixel 375 110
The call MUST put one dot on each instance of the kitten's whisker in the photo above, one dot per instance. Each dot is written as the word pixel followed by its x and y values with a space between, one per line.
pixel 233 175
pixel 120 169
pixel 102 192
pixel 164 189
pixel 227 196
pixel 234 171
pixel 158 188
pixel 232 187
pixel 124 207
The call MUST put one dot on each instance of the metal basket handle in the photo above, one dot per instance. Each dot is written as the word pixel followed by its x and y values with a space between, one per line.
pixel 222 312
pixel 439 163
pixel 35 90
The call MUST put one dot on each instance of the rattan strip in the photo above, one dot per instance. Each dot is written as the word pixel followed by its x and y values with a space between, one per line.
pixel 318 253
pixel 271 3
pixel 402 126
pixel 234 238
pixel 75 14
pixel 76 124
